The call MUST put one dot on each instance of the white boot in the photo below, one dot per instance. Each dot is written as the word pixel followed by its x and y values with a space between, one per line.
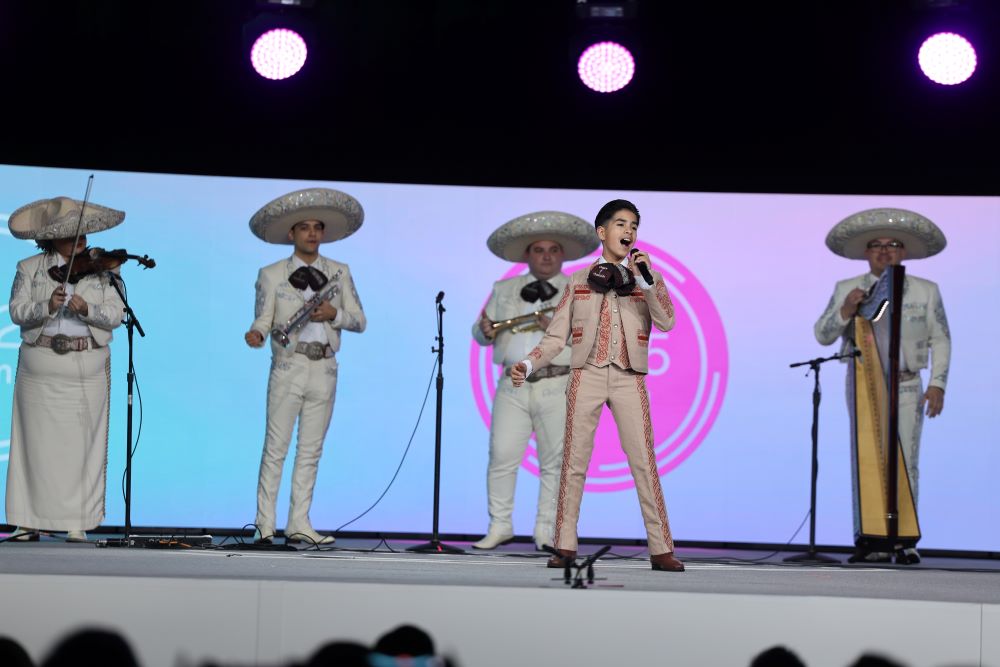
pixel 308 535
pixel 543 536
pixel 495 536
pixel 76 536
pixel 24 535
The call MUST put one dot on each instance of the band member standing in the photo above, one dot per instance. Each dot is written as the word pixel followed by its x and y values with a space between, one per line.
pixel 59 430
pixel 608 310
pixel 543 241
pixel 303 378
pixel 885 237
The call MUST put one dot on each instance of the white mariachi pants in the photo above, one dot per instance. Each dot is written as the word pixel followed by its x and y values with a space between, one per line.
pixel 298 388
pixel 536 406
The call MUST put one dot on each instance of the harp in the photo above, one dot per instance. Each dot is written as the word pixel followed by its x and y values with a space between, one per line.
pixel 886 516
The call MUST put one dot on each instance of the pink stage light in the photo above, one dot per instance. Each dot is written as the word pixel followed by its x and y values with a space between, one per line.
pixel 606 67
pixel 278 54
pixel 947 58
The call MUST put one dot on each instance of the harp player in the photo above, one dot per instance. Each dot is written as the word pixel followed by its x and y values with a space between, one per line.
pixel 885 237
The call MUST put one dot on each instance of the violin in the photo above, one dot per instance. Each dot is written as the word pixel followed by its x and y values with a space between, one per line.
pixel 93 261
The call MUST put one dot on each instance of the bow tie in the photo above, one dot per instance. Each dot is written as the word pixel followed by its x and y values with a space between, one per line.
pixel 607 276
pixel 307 276
pixel 540 289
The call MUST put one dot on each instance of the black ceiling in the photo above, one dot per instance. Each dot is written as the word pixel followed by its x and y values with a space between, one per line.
pixel 804 96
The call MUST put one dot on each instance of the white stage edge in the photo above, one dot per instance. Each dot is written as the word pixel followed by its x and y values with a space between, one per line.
pixel 186 621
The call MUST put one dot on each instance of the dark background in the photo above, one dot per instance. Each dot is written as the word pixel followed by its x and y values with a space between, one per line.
pixel 806 96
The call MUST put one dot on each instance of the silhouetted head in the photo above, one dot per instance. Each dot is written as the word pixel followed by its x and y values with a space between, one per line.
pixel 100 647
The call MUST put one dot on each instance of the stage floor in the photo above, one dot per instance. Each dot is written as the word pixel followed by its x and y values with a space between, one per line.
pixel 501 607
pixel 519 566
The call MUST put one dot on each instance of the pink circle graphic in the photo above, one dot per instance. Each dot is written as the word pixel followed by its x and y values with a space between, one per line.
pixel 688 370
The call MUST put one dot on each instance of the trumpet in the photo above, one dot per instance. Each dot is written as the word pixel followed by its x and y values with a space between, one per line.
pixel 301 316
pixel 514 323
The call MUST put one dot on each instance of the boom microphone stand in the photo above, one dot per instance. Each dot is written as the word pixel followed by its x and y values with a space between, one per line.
pixel 811 556
pixel 435 545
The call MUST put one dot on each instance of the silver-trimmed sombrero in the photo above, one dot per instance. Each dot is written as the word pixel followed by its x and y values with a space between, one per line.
pixel 57 218
pixel 340 213
pixel 577 237
pixel 921 237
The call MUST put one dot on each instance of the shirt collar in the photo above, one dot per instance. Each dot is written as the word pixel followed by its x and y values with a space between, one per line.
pixel 624 261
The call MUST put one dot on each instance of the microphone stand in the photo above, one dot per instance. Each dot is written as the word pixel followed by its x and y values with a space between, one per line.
pixel 131 323
pixel 811 556
pixel 435 545
pixel 587 566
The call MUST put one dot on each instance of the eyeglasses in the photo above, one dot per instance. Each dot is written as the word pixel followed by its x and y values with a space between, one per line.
pixel 891 245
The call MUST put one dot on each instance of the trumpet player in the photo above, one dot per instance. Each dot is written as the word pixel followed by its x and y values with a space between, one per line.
pixel 303 378
pixel 513 322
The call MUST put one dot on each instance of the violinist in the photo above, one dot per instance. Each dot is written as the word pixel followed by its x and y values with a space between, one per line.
pixel 542 240
pixel 59 428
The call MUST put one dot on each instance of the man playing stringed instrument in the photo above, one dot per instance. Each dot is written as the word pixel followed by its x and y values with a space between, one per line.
pixel 884 237
pixel 303 379
pixel 514 320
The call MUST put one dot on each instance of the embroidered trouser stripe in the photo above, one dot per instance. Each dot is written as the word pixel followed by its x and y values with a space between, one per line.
pixel 625 393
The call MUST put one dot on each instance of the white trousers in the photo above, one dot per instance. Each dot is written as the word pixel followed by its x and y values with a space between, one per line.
pixel 303 390
pixel 535 406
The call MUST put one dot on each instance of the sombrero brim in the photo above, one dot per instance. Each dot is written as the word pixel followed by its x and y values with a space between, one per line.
pixel 340 213
pixel 59 218
pixel 920 237
pixel 576 236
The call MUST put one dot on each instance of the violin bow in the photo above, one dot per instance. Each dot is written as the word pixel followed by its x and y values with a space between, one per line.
pixel 76 239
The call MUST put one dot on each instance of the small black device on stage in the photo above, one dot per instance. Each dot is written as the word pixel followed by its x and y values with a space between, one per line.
pixel 586 567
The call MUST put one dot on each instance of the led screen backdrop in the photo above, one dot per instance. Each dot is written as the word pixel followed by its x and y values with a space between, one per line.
pixel 749 274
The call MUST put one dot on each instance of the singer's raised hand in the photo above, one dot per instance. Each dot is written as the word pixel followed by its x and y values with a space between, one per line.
pixel 640 265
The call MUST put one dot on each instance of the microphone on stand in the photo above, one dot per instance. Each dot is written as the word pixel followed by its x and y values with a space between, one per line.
pixel 439 298
pixel 643 269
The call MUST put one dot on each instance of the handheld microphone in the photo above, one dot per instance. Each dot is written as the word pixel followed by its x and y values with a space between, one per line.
pixel 643 269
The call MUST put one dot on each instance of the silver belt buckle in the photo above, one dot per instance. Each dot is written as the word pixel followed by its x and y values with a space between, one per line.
pixel 315 351
pixel 61 344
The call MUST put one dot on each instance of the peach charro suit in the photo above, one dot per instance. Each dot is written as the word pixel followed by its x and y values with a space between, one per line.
pixel 609 335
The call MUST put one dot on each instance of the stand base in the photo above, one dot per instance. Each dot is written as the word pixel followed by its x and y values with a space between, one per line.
pixel 811 557
pixel 435 547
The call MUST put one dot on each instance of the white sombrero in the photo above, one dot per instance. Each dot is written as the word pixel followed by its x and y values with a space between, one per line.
pixel 577 237
pixel 57 218
pixel 340 213
pixel 921 237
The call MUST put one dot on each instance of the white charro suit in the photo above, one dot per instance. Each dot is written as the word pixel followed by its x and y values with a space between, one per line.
pixel 924 328
pixel 609 335
pixel 539 407
pixel 59 429
pixel 298 387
